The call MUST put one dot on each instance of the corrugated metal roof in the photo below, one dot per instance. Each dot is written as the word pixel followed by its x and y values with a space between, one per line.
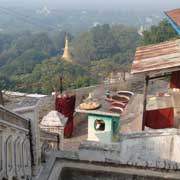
pixel 174 15
pixel 158 57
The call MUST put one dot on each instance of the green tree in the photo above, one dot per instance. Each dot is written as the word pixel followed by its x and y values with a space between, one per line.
pixel 160 33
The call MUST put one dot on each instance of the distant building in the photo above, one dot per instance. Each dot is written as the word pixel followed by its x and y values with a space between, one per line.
pixel 141 31
pixel 44 10
pixel 115 78
pixel 67 56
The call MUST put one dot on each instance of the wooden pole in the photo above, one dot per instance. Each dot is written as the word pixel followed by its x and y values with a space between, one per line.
pixel 61 84
pixel 124 75
pixel 145 102
pixel 1 98
pixel 31 144
pixel 160 76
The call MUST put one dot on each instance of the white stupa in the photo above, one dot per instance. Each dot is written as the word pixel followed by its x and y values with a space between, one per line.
pixel 53 121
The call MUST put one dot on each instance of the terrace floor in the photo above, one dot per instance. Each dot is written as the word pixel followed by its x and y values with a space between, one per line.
pixel 79 135
pixel 130 120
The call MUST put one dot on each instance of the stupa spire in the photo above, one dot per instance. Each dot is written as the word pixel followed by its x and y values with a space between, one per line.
pixel 67 55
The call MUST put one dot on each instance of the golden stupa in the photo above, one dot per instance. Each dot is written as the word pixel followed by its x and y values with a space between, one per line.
pixel 67 55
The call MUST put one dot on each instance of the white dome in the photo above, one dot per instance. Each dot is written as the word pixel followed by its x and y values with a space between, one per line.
pixel 53 119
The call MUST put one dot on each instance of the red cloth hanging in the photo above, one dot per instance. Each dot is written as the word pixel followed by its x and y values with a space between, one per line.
pixel 66 106
pixel 175 80
pixel 160 118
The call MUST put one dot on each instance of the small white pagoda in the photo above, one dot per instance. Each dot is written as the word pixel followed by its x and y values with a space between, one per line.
pixel 54 122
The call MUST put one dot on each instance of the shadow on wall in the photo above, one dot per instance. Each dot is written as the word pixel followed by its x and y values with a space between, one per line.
pixel 80 174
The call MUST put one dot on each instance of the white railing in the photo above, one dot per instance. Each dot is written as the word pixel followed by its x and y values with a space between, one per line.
pixel 15 152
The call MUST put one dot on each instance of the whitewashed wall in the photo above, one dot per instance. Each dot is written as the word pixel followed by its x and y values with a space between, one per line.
pixel 15 158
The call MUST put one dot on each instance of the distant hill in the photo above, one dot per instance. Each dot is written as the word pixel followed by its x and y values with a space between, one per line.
pixel 23 18
pixel 94 4
pixel 160 33
pixel 31 62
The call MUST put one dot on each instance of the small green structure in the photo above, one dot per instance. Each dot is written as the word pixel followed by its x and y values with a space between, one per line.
pixel 102 124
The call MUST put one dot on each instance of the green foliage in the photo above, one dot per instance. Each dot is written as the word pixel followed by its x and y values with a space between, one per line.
pixel 31 62
pixel 14 47
pixel 162 32
pixel 45 76
pixel 105 49
pixel 5 82
pixel 104 42
pixel 24 63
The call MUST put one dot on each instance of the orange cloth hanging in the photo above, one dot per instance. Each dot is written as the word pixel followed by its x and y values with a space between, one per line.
pixel 66 106
pixel 175 80
pixel 160 118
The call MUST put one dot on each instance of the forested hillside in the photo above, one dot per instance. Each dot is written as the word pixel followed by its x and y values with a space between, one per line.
pixel 162 32
pixel 116 43
pixel 106 49
pixel 30 62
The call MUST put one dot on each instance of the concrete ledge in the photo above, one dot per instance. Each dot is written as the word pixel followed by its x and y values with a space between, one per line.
pixel 61 160
pixel 157 149
pixel 153 153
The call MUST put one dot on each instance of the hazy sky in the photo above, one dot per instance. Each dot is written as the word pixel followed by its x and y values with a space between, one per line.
pixel 98 4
